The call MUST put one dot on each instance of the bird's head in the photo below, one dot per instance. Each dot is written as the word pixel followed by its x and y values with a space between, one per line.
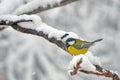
pixel 70 41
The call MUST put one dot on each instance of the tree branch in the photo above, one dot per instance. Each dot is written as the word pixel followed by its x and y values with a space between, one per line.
pixel 76 67
pixel 101 71
pixel 55 5
pixel 33 32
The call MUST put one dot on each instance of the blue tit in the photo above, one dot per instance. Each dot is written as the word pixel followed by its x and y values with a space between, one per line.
pixel 77 46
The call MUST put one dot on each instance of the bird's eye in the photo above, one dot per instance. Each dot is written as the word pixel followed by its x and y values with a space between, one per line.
pixel 71 42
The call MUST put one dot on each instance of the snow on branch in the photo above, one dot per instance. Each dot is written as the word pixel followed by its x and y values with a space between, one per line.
pixel 81 63
pixel 88 63
pixel 51 34
pixel 37 6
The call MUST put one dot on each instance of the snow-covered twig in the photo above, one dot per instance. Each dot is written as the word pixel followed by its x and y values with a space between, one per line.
pixel 81 63
pixel 13 22
pixel 74 72
pixel 106 73
pixel 38 6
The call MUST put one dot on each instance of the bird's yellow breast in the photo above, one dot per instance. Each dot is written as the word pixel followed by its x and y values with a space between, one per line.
pixel 74 51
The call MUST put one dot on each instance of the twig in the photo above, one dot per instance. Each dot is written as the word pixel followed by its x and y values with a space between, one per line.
pixel 41 9
pixel 76 67
pixel 114 76
pixel 101 71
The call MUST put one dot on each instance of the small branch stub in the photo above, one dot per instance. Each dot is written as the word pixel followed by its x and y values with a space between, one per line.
pixel 74 72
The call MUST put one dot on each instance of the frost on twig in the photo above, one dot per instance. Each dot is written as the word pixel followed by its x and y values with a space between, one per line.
pixel 81 63
pixel 88 63
pixel 37 6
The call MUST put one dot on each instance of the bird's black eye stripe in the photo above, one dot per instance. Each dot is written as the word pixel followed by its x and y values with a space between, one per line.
pixel 64 35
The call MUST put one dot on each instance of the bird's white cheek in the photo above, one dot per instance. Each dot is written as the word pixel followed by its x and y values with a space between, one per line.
pixel 71 42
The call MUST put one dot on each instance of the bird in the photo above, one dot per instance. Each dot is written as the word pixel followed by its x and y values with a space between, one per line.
pixel 75 46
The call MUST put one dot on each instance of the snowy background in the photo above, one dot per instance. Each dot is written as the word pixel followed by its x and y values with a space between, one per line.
pixel 28 57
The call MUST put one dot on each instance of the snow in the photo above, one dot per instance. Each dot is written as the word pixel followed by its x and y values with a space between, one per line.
pixel 93 59
pixel 40 26
pixel 13 18
pixel 52 32
pixel 87 62
pixel 34 5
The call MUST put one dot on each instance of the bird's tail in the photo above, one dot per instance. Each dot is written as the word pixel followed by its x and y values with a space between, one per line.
pixel 88 44
pixel 96 41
